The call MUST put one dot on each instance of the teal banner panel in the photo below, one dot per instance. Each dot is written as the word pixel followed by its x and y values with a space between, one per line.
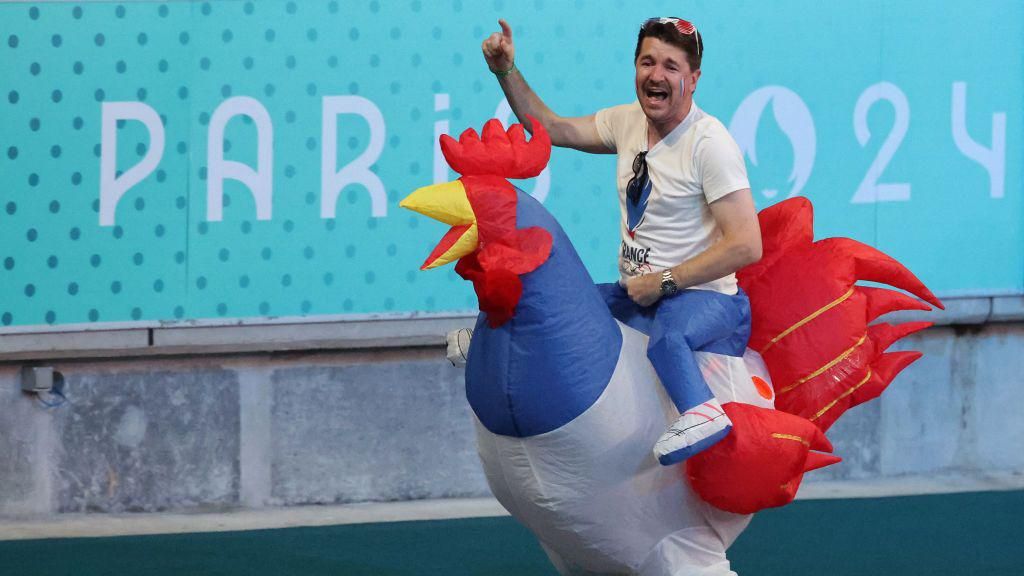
pixel 172 161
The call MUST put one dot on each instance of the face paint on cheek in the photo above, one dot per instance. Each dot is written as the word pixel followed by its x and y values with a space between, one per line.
pixel 682 87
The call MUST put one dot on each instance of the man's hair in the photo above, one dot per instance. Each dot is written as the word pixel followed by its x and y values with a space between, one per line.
pixel 691 44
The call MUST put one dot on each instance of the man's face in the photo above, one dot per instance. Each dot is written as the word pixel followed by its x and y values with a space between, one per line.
pixel 664 82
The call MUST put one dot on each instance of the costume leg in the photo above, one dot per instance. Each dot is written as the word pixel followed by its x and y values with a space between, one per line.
pixel 678 326
pixel 702 421
pixel 692 321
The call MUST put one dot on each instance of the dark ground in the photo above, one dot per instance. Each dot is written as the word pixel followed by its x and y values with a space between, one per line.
pixel 958 534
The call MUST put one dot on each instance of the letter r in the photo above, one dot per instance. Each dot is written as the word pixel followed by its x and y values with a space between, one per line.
pixel 332 181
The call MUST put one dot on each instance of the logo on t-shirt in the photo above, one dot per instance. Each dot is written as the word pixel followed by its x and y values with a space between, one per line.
pixel 635 211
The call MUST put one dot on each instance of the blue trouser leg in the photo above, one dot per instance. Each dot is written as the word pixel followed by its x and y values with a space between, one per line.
pixel 695 321
pixel 667 349
pixel 673 360
pixel 691 321
pixel 678 326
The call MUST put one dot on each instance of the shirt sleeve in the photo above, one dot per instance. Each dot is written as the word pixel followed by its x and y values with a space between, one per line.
pixel 605 119
pixel 720 163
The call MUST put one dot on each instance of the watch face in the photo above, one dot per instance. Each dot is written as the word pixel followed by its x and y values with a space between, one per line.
pixel 668 286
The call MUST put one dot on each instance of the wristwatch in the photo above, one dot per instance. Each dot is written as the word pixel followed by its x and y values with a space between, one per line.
pixel 668 285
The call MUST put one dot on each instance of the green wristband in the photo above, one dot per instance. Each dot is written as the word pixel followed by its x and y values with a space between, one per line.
pixel 502 74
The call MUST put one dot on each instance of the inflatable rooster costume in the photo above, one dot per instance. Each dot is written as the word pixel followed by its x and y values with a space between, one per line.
pixel 568 406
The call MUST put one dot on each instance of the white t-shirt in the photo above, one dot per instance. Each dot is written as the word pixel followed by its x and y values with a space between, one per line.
pixel 696 164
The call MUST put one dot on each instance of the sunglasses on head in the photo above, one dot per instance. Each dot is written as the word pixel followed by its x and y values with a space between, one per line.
pixel 685 27
pixel 636 184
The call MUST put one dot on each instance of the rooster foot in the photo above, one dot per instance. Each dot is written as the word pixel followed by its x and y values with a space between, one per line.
pixel 761 463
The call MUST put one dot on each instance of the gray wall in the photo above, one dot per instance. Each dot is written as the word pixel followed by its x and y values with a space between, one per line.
pixel 374 422
pixel 255 430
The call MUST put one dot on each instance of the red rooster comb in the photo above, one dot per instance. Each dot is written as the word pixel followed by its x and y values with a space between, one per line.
pixel 810 321
pixel 505 154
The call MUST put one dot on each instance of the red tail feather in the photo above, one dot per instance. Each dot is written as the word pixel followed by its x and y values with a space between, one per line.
pixel 811 324
pixel 816 461
pixel 881 301
pixel 875 266
pixel 810 321
pixel 883 370
pixel 884 334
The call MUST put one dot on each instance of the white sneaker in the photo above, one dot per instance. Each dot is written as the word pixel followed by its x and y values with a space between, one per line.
pixel 458 346
pixel 696 430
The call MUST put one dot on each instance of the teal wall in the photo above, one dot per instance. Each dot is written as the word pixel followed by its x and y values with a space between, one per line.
pixel 854 105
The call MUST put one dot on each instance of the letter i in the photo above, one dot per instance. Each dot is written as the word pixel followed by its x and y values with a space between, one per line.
pixel 441 104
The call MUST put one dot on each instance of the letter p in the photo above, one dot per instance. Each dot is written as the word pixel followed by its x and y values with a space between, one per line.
pixel 112 187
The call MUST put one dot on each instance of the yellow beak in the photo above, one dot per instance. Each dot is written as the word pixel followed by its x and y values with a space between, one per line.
pixel 446 203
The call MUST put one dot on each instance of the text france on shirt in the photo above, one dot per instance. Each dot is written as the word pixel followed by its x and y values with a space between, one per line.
pixel 634 259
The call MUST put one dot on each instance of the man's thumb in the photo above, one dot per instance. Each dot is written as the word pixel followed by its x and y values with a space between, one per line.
pixel 506 30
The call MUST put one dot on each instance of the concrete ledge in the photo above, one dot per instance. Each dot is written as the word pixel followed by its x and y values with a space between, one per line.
pixel 959 311
pixel 117 340
pixel 343 332
pixel 97 525
pixel 305 336
pixel 30 346
pixel 1007 309
pixel 946 483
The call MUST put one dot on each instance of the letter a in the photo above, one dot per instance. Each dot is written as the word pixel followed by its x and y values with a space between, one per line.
pixel 260 181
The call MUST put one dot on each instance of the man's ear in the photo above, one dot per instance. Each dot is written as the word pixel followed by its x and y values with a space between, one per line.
pixel 696 77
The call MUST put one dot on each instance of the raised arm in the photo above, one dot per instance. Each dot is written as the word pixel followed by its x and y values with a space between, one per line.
pixel 577 132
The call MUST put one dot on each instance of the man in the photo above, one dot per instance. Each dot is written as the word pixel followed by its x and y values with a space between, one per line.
pixel 688 223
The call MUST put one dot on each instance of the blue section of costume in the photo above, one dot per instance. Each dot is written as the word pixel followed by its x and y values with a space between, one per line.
pixel 554 358
pixel 690 321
